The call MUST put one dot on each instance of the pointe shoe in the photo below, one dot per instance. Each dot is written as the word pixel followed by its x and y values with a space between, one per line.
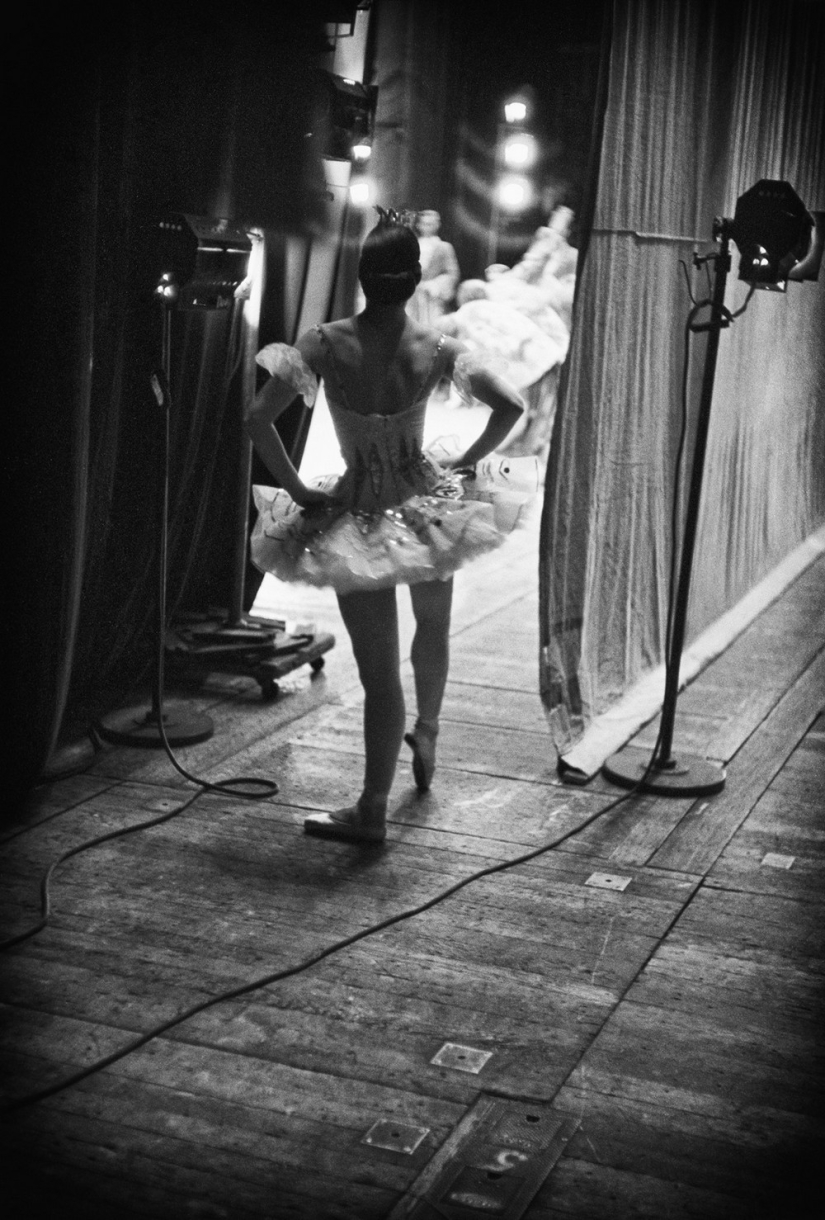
pixel 422 744
pixel 352 825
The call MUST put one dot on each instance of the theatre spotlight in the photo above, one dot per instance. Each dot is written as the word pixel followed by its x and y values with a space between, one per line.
pixel 774 232
pixel 195 262
pixel 778 240
pixel 344 116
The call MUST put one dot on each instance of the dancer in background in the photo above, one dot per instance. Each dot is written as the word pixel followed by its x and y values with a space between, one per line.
pixel 395 516
pixel 531 343
pixel 439 271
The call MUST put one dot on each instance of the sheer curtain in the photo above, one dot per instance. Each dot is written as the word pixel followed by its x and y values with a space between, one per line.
pixel 704 99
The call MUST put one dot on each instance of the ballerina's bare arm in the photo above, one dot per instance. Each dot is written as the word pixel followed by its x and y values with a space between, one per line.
pixel 269 403
pixel 505 403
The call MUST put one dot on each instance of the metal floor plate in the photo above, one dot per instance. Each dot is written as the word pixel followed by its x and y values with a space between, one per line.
pixel 773 859
pixel 395 1137
pixel 461 1058
pixel 492 1165
pixel 608 881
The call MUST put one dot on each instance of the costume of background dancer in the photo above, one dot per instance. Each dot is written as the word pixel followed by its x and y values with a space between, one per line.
pixel 439 271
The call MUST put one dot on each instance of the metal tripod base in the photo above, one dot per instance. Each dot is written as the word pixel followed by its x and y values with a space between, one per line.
pixel 689 776
pixel 139 727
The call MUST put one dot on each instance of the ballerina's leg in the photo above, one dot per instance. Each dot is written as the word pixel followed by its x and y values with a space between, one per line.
pixel 372 622
pixel 430 656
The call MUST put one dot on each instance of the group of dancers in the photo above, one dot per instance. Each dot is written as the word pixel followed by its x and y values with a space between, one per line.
pixel 521 314
pixel 397 515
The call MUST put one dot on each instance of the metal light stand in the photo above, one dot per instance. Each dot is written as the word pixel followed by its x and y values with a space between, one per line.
pixel 686 775
pixel 181 726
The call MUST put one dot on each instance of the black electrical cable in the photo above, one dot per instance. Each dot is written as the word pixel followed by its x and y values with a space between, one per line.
pixel 338 946
pixel 278 976
pixel 45 895
pixel 266 787
pixel 738 313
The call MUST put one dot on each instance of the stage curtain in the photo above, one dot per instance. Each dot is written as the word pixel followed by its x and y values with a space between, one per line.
pixel 156 110
pixel 704 99
pixel 411 43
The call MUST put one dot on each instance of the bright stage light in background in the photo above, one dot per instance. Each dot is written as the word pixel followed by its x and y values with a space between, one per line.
pixel 361 152
pixel 514 193
pixel 515 111
pixel 520 151
pixel 360 193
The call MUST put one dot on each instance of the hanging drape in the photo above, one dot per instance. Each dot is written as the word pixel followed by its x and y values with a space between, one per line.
pixel 413 69
pixel 157 108
pixel 704 99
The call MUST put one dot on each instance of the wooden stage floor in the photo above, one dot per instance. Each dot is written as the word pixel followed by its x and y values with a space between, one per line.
pixel 676 1021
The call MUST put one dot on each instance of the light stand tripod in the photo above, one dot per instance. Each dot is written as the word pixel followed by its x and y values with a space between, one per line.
pixel 180 725
pixel 686 775
pixel 778 241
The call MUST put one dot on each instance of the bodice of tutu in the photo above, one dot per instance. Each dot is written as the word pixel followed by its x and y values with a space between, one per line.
pixel 385 464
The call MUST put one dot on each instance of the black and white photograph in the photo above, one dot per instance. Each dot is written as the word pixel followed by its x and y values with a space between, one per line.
pixel 415 732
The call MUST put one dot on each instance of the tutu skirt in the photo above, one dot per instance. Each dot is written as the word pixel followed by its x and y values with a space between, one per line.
pixel 428 536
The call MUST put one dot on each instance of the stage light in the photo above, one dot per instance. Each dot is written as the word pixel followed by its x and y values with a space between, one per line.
pixel 167 287
pixel 773 231
pixel 519 151
pixel 195 262
pixel 778 240
pixel 361 152
pixel 514 193
pixel 360 193
pixel 515 111
pixel 344 115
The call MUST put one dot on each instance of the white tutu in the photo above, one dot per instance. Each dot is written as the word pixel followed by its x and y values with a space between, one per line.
pixel 399 516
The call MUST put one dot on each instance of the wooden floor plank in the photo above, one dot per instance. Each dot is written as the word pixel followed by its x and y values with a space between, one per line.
pixel 177 1182
pixel 261 1084
pixel 676 1019
pixel 702 835
pixel 49 801
pixel 590 1191
pixel 754 922
pixel 705 1050
pixel 225 872
pixel 724 1155
pixel 766 989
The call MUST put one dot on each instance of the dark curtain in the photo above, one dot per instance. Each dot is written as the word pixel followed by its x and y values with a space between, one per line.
pixel 414 62
pixel 121 115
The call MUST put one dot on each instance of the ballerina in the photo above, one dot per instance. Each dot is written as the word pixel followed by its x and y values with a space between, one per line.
pixel 396 516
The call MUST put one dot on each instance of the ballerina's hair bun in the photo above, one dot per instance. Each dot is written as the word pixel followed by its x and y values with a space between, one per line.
pixel 389 269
